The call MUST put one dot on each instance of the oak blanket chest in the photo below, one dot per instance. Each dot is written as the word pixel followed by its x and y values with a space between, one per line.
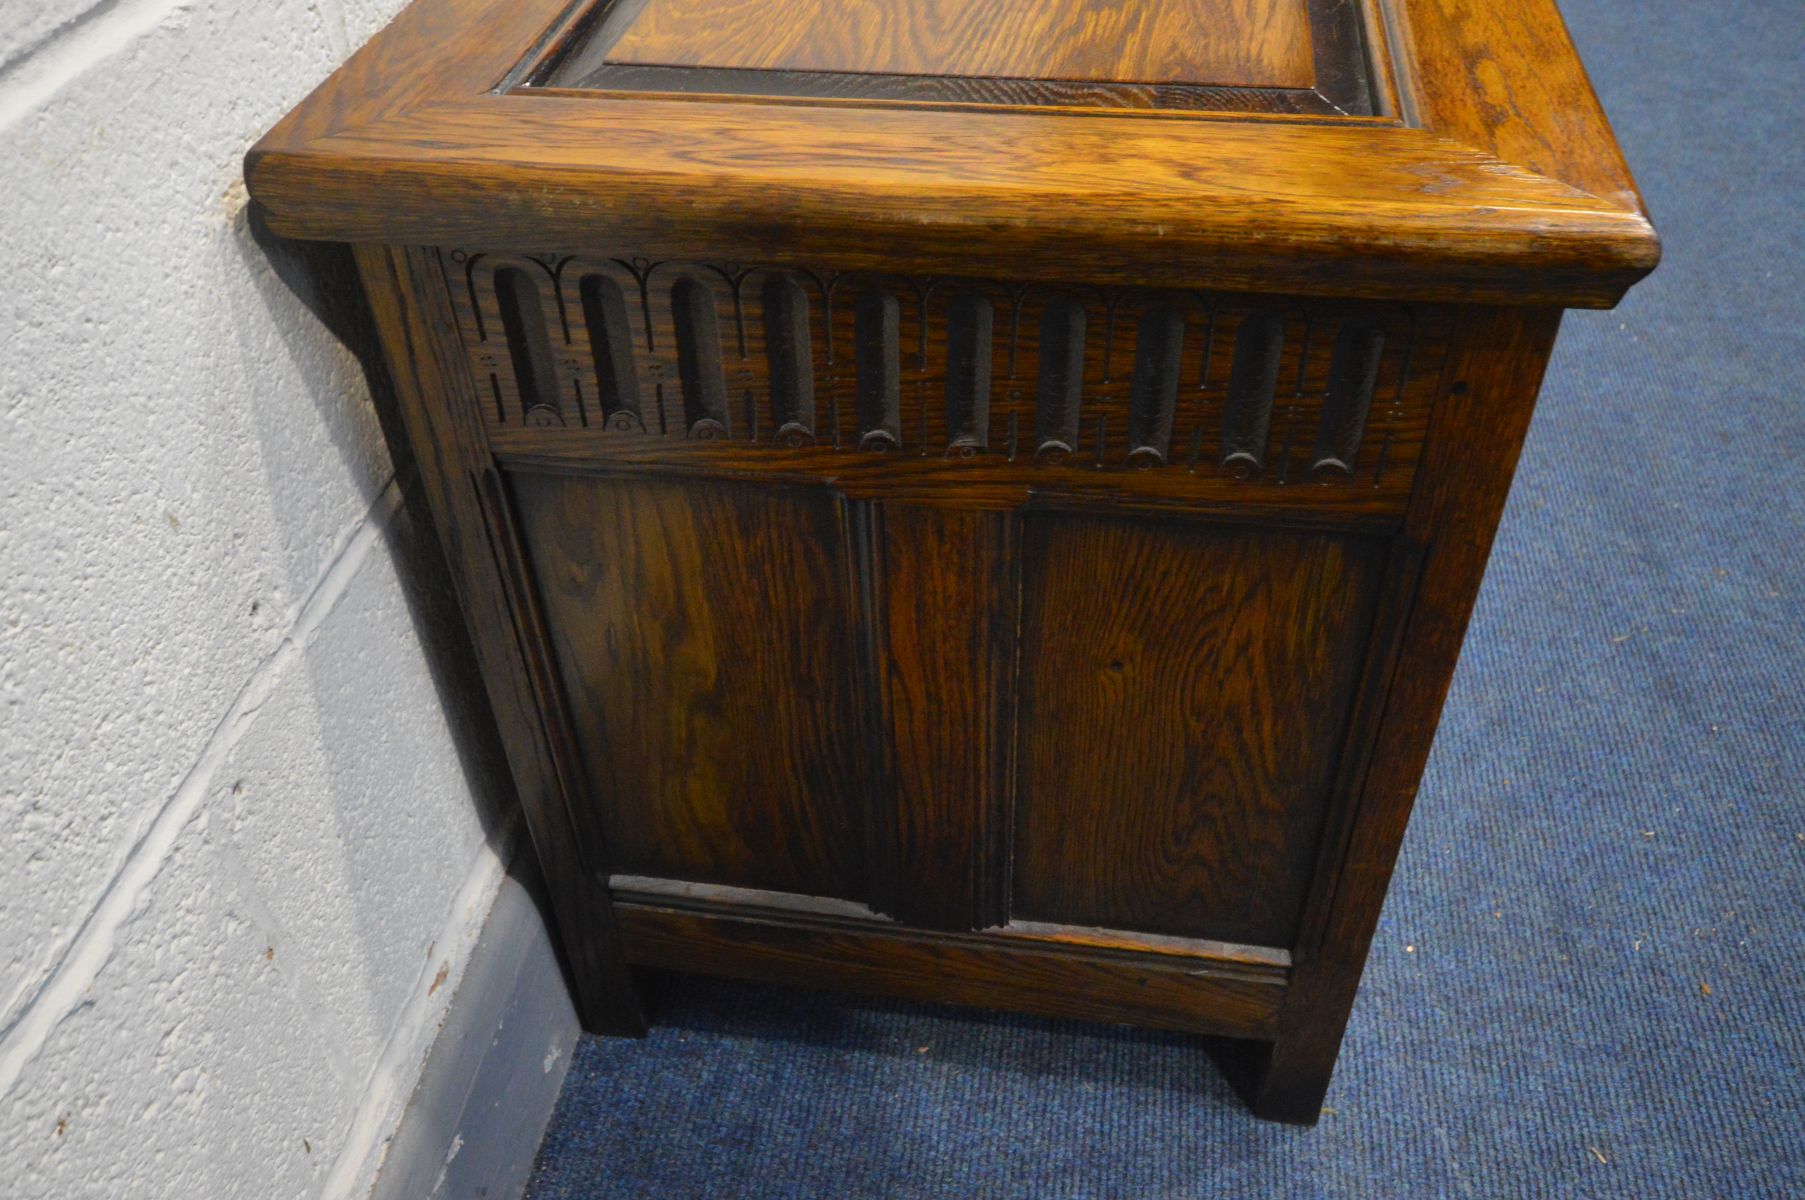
pixel 975 500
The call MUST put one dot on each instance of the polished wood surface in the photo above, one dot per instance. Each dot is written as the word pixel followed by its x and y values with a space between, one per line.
pixel 1299 57
pixel 1504 79
pixel 1005 557
pixel 1015 749
pixel 1051 977
pixel 734 756
pixel 1065 390
pixel 412 143
pixel 1183 692
pixel 1248 42
pixel 943 627
pixel 1452 519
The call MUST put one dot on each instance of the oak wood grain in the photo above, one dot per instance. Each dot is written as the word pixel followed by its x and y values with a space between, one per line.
pixel 1183 691
pixel 946 91
pixel 1261 43
pixel 1505 78
pixel 579 417
pixel 990 53
pixel 1336 211
pixel 409 143
pixel 944 579
pixel 1453 516
pixel 701 631
pixel 973 483
pixel 994 969
pixel 713 897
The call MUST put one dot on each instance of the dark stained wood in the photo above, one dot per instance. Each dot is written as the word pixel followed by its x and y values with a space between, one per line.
pixel 977 483
pixel 1190 461
pixel 1005 557
pixel 944 90
pixel 1117 939
pixel 711 897
pixel 702 632
pixel 1183 689
pixel 945 585
pixel 1473 453
pixel 800 944
pixel 1256 43
pixel 407 297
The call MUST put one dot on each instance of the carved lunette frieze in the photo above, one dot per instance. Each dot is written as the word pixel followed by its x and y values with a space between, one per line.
pixel 1231 386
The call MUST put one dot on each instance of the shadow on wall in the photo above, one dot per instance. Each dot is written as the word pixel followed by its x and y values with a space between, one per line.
pixel 323 278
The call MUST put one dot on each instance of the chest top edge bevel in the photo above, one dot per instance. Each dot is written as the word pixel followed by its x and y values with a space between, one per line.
pixel 1520 201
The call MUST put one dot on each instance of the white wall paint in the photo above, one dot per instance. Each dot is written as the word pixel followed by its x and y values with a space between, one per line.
pixel 241 858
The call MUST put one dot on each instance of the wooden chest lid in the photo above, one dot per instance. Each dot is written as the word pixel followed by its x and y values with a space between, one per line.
pixel 1437 149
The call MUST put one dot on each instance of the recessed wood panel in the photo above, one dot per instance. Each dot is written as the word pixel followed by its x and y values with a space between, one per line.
pixel 1262 43
pixel 1185 689
pixel 702 636
pixel 943 582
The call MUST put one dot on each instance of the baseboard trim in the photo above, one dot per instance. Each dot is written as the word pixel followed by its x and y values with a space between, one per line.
pixel 487 1091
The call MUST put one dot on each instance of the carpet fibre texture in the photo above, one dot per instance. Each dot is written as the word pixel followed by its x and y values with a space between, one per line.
pixel 1588 980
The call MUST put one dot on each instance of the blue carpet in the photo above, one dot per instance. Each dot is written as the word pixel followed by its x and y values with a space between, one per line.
pixel 1588 980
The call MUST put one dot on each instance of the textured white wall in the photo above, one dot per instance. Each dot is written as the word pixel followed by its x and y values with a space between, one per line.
pixel 241 857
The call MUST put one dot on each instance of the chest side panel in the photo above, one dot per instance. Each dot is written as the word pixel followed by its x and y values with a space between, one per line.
pixel 975 602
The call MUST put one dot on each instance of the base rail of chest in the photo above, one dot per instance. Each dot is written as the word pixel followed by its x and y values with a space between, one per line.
pixel 1042 969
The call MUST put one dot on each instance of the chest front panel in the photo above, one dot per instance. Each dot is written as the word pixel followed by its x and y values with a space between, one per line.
pixel 972 603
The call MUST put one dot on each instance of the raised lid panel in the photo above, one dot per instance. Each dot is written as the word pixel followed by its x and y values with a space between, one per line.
pixel 1245 55
pixel 1255 43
